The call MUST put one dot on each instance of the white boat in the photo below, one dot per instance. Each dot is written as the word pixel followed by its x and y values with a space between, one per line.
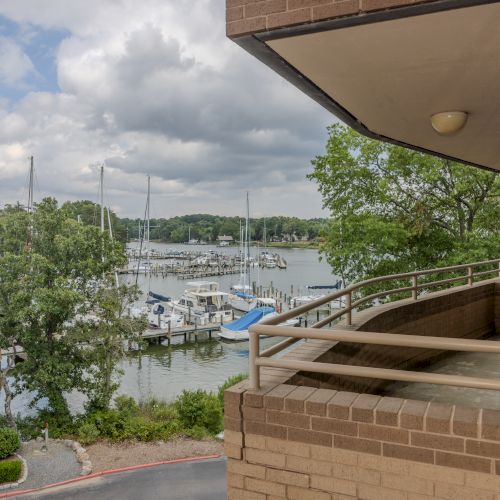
pixel 238 330
pixel 300 300
pixel 204 303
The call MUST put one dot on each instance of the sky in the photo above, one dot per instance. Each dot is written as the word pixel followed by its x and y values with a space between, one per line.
pixel 150 87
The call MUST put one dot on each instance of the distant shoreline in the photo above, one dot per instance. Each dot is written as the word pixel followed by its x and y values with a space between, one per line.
pixel 278 244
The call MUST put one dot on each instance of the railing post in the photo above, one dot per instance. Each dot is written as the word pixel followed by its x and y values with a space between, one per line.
pixel 470 276
pixel 349 308
pixel 415 286
pixel 254 353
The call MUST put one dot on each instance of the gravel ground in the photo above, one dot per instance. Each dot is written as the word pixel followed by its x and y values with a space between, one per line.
pixel 106 456
pixel 57 464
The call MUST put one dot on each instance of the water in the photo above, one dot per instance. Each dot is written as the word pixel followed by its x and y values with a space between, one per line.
pixel 304 268
pixel 164 372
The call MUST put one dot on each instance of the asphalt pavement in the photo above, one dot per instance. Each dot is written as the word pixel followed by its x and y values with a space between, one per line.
pixel 203 480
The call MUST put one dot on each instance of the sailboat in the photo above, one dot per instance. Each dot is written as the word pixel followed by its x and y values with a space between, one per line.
pixel 155 307
pixel 241 299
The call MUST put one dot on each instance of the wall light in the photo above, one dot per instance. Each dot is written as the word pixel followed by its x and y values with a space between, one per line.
pixel 449 122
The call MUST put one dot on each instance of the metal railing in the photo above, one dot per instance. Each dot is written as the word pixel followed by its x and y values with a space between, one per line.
pixel 269 328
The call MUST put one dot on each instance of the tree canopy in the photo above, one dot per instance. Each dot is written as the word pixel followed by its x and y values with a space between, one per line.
pixel 55 298
pixel 396 210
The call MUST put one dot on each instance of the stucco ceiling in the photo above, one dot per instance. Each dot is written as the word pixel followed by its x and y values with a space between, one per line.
pixel 393 75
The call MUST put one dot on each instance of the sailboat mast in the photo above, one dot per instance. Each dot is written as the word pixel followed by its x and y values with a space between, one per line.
pixel 102 197
pixel 30 187
pixel 247 245
pixel 147 214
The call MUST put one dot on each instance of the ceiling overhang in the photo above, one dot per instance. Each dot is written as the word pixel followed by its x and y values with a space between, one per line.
pixel 386 74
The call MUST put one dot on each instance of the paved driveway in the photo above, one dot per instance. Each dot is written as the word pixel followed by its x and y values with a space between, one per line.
pixel 204 480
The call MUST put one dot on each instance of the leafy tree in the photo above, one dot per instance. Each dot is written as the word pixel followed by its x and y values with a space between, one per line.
pixel 89 212
pixel 395 210
pixel 54 267
pixel 108 334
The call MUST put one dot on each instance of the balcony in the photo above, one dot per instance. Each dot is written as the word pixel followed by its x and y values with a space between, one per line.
pixel 314 419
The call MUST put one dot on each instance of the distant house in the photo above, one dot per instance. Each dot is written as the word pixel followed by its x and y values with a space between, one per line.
pixel 228 239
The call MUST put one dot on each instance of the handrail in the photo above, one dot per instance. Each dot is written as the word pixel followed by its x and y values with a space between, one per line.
pixel 269 327
pixel 414 288
pixel 258 359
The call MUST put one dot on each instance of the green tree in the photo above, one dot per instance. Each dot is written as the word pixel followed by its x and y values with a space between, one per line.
pixel 55 266
pixel 396 210
pixel 109 335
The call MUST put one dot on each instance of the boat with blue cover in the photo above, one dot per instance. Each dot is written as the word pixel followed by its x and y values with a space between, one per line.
pixel 238 330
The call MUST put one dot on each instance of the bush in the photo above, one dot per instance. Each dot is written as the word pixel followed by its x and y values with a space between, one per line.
pixel 9 441
pixel 126 405
pixel 229 383
pixel 88 433
pixel 199 409
pixel 10 471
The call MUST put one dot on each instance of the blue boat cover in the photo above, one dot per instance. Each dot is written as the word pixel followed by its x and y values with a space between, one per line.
pixel 242 295
pixel 249 319
pixel 325 287
pixel 157 296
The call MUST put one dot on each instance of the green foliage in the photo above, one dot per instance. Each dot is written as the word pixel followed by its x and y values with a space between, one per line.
pixel 208 227
pixel 229 383
pixel 197 414
pixel 54 300
pixel 199 408
pixel 395 210
pixel 88 433
pixel 10 470
pixel 9 441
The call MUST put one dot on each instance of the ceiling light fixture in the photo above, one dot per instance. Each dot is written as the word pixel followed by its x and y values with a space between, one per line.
pixel 449 122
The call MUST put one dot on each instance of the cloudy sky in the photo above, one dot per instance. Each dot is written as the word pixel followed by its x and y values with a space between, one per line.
pixel 149 87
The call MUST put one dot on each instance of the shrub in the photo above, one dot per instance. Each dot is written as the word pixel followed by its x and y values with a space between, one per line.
pixel 10 471
pixel 229 383
pixel 199 408
pixel 126 405
pixel 9 441
pixel 88 433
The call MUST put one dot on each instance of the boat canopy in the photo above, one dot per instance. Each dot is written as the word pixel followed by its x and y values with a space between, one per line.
pixel 159 297
pixel 242 295
pixel 246 321
pixel 325 287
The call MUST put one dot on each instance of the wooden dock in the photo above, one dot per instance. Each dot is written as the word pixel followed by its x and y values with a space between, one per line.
pixel 156 335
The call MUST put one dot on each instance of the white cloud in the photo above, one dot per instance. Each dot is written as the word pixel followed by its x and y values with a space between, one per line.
pixel 15 65
pixel 155 87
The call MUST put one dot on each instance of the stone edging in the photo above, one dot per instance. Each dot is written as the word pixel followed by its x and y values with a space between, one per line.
pixel 81 455
pixel 24 475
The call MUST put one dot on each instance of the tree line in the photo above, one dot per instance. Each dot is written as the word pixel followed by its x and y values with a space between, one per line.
pixel 209 227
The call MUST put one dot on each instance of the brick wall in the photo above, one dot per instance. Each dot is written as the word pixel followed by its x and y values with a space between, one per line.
pixel 310 441
pixel 252 16
pixel 292 442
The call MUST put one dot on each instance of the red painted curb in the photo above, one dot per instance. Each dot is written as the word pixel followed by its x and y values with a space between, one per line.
pixel 106 473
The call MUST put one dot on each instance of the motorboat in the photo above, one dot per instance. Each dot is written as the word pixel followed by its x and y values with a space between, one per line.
pixel 203 302
pixel 238 330
pixel 154 310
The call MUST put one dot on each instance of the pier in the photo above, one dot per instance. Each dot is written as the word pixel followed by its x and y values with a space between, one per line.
pixel 156 335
